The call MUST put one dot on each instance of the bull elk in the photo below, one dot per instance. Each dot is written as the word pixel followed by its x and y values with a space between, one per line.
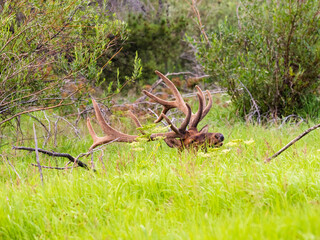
pixel 186 136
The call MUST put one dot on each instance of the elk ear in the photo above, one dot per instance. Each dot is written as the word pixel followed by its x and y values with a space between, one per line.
pixel 172 142
pixel 205 129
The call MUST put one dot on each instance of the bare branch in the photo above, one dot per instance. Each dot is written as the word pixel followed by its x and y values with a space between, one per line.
pixel 35 110
pixel 13 168
pixel 49 130
pixel 291 143
pixel 55 154
pixel 4 159
pixel 57 168
pixel 201 27
pixel 37 153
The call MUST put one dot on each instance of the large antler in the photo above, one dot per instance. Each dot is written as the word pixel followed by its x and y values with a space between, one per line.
pixel 111 133
pixel 117 136
pixel 179 137
pixel 180 103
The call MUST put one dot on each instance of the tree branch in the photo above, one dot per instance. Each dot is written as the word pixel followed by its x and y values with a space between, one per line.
pixel 55 154
pixel 291 143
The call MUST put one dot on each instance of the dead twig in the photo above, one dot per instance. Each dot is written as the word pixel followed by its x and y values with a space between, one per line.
pixel 35 110
pixel 49 130
pixel 41 123
pixel 291 143
pixel 254 105
pixel 60 104
pixel 57 168
pixel 6 160
pixel 55 154
pixel 74 160
pixel 56 131
pixel 13 168
pixel 76 131
pixel 201 27
pixel 37 153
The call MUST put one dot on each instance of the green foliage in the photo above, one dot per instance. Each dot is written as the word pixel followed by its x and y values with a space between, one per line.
pixel 158 43
pixel 159 35
pixel 212 12
pixel 49 50
pixel 271 60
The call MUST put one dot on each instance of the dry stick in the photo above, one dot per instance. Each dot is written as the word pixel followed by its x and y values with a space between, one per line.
pixel 253 102
pixel 49 130
pixel 13 168
pixel 92 163
pixel 43 108
pixel 29 95
pixel 57 168
pixel 37 153
pixel 34 110
pixel 56 131
pixel 8 168
pixel 101 160
pixel 201 27
pixel 66 155
pixel 8 162
pixel 291 143
pixel 41 123
pixel 55 154
pixel 76 131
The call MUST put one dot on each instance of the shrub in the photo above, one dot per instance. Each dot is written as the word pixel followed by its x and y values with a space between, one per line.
pixel 270 62
pixel 159 43
pixel 46 45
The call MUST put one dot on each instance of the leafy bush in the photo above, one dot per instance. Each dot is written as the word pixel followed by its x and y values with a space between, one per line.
pixel 49 52
pixel 157 30
pixel 159 43
pixel 270 62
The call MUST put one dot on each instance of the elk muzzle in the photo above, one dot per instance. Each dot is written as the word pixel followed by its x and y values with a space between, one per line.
pixel 214 139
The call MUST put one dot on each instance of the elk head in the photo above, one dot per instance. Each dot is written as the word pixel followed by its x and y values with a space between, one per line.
pixel 186 136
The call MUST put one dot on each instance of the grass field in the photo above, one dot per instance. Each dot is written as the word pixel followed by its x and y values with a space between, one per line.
pixel 149 191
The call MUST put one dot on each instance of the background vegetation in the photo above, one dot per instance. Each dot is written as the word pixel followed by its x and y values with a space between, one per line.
pixel 269 61
pixel 259 58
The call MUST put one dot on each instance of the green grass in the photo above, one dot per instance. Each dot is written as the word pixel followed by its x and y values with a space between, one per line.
pixel 152 192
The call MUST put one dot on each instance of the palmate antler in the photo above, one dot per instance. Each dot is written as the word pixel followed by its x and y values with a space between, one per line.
pixel 185 136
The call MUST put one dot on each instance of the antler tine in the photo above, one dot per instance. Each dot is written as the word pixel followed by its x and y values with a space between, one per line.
pixel 167 105
pixel 111 133
pixel 208 107
pixel 107 129
pixel 182 129
pixel 198 116
pixel 97 141
pixel 91 131
pixel 136 121
pixel 186 121
pixel 172 126
pixel 201 94
pixel 179 102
